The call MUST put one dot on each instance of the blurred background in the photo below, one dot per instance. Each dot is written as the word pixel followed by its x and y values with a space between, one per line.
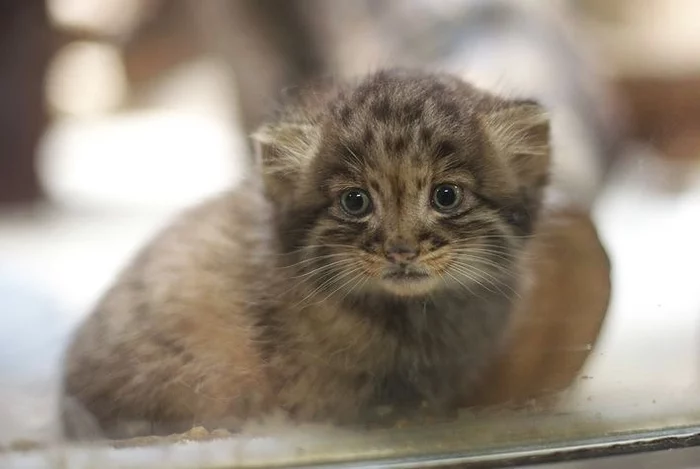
pixel 116 114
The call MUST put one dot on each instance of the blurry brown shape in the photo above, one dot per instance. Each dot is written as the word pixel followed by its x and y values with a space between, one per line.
pixel 269 44
pixel 165 37
pixel 558 324
pixel 25 51
pixel 665 111
pixel 604 10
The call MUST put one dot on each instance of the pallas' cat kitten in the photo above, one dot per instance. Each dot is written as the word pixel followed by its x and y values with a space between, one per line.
pixel 377 264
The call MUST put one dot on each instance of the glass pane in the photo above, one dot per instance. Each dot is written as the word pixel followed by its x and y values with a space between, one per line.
pixel 392 233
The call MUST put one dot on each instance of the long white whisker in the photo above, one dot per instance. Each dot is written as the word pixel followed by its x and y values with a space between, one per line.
pixel 301 279
pixel 496 255
pixel 357 279
pixel 324 267
pixel 329 281
pixel 470 260
pixel 474 277
pixel 465 286
pixel 486 276
pixel 317 246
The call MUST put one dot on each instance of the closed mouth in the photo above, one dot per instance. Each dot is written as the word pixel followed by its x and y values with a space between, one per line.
pixel 405 275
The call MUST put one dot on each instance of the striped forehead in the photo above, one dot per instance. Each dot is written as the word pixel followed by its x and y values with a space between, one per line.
pixel 398 179
pixel 395 169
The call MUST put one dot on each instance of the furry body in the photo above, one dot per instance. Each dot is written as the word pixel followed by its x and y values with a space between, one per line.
pixel 283 295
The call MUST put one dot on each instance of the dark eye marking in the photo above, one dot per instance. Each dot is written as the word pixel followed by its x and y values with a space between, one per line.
pixel 336 232
pixel 436 241
pixel 373 242
pixel 472 224
pixel 514 212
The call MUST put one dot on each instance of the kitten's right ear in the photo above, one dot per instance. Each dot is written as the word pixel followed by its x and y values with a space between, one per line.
pixel 520 133
pixel 283 150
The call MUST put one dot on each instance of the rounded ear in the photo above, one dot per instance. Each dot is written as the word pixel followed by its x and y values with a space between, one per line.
pixel 283 150
pixel 520 132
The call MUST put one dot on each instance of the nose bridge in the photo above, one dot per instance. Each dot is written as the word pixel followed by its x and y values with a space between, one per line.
pixel 398 224
pixel 399 219
pixel 400 232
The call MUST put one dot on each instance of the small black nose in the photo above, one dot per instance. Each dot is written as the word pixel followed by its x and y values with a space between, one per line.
pixel 400 253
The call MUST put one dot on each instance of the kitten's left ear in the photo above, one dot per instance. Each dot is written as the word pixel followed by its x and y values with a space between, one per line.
pixel 283 150
pixel 520 133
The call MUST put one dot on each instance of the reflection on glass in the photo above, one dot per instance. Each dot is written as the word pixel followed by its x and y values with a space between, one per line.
pixel 415 234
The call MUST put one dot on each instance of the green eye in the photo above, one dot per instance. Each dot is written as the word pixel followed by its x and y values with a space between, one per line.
pixel 446 197
pixel 355 202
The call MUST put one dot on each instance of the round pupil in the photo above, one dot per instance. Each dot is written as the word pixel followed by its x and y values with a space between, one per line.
pixel 445 196
pixel 354 201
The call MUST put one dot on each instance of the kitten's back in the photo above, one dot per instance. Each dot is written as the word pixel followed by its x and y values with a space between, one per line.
pixel 173 340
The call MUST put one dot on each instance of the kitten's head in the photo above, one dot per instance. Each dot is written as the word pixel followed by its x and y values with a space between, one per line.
pixel 406 183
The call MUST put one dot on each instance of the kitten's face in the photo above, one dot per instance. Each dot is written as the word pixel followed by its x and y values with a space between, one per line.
pixel 410 229
pixel 405 194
